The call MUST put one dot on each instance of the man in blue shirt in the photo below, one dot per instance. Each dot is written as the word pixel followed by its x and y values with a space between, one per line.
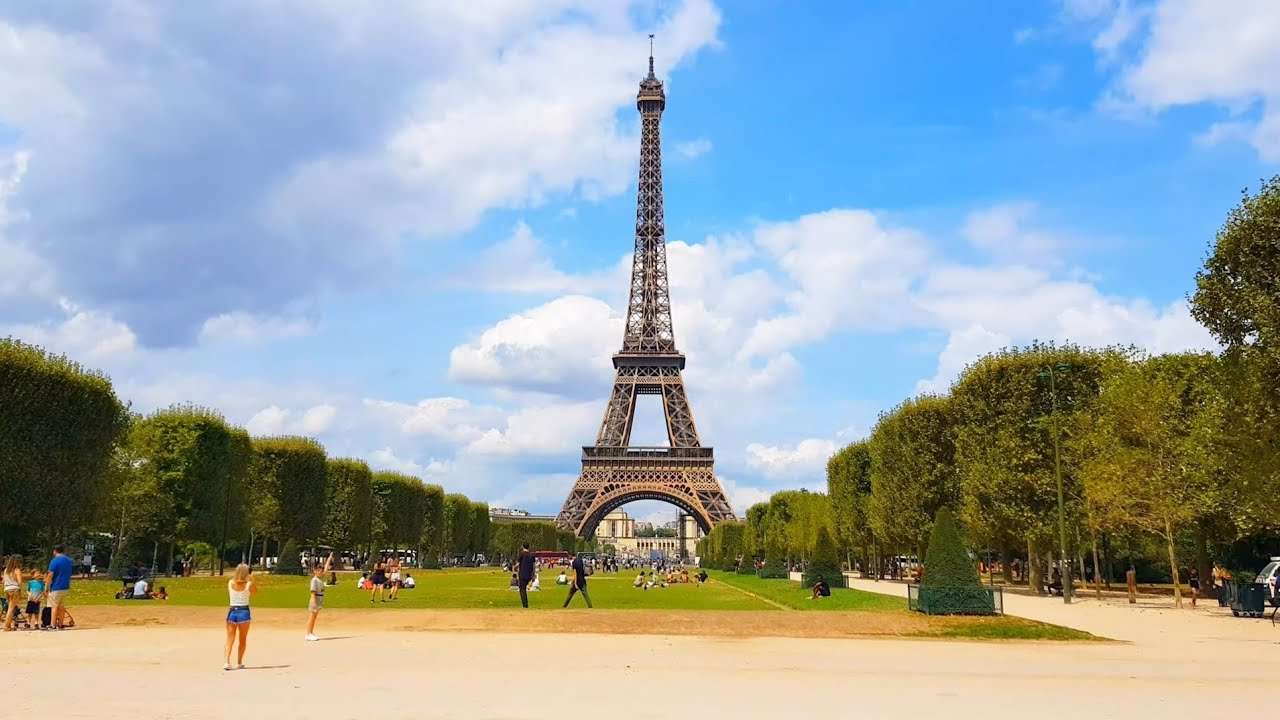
pixel 58 580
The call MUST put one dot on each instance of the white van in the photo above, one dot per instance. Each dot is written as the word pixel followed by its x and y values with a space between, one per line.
pixel 1268 578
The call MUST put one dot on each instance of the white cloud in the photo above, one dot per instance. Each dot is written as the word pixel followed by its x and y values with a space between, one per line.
pixel 386 459
pixel 806 458
pixel 550 429
pixel 1005 231
pixel 1200 51
pixel 693 149
pixel 563 346
pixel 83 335
pixel 275 420
pixel 742 497
pixel 848 271
pixel 245 327
pixel 432 114
pixel 450 419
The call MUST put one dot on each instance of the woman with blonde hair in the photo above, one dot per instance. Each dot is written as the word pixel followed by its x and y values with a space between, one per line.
pixel 239 590
pixel 12 580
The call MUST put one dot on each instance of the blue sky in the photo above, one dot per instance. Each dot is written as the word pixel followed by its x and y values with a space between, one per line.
pixel 406 231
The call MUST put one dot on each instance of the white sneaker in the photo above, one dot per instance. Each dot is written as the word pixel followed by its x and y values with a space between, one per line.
pixel 312 638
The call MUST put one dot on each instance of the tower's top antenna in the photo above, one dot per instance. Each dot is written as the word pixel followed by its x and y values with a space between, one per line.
pixel 650 54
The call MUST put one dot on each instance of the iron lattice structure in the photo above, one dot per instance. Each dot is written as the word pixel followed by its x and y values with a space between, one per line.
pixel 613 472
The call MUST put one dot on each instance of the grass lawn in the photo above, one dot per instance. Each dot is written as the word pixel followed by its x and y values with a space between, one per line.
pixel 480 588
pixel 793 595
pixel 486 589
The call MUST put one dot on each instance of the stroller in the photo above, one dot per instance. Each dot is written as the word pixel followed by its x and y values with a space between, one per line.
pixel 20 619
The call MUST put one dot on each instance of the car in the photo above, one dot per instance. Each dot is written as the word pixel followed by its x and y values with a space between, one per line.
pixel 1267 577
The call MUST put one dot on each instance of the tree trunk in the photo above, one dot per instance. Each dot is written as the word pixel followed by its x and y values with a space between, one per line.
pixel 248 558
pixel 1173 565
pixel 1097 570
pixel 1203 565
pixel 1006 569
pixel 1034 577
pixel 1106 560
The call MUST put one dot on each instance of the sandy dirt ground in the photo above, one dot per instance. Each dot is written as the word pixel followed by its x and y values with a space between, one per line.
pixel 414 664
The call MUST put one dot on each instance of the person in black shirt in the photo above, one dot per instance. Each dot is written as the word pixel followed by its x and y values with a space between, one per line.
pixel 579 583
pixel 526 562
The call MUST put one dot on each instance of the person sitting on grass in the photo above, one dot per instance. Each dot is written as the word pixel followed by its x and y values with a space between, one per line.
pixel 362 583
pixel 160 594
pixel 702 577
pixel 562 578
pixel 140 590
pixel 639 581
pixel 821 589
pixel 409 583
pixel 515 583
pixel 536 584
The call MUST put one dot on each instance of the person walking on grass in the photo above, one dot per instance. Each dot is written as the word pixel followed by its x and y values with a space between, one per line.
pixel 12 584
pixel 579 584
pixel 527 564
pixel 393 581
pixel 58 579
pixel 240 589
pixel 378 581
pixel 317 595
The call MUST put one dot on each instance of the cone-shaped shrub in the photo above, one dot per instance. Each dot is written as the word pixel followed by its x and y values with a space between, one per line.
pixel 951 585
pixel 290 560
pixel 825 561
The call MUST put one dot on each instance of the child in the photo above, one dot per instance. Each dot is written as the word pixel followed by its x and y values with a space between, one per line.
pixel 363 582
pixel 160 594
pixel 35 594
pixel 317 596
pixel 515 583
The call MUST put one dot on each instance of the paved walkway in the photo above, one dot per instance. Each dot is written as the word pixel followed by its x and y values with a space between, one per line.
pixel 1153 621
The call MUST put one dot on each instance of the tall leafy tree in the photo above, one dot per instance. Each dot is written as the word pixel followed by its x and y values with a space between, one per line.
pixel 913 470
pixel 457 523
pixel 849 487
pixel 1006 422
pixel 288 482
pixel 59 425
pixel 400 501
pixel 479 528
pixel 348 503
pixel 1238 292
pixel 433 526
pixel 1151 452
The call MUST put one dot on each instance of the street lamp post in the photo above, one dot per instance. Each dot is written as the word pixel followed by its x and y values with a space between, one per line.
pixel 1067 586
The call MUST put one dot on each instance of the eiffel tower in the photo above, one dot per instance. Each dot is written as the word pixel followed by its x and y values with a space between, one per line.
pixel 613 472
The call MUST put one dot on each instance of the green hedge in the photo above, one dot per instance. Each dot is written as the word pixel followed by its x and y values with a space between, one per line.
pixel 825 563
pixel 951 585
pixel 290 562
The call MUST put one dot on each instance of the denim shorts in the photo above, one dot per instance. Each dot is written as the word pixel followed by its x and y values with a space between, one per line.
pixel 238 615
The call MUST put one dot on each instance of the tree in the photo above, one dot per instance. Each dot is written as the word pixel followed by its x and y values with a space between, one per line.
pixel 951 585
pixel 753 541
pixel 913 470
pixel 348 504
pixel 432 541
pixel 1237 293
pixel 825 563
pixel 400 502
pixel 1004 434
pixel 1152 450
pixel 188 455
pixel 289 485
pixel 457 524
pixel 849 487
pixel 59 425
pixel 479 528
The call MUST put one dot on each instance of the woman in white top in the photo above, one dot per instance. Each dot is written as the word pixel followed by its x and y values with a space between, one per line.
pixel 239 591
pixel 12 580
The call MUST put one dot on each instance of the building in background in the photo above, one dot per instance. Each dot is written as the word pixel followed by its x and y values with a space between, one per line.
pixel 621 531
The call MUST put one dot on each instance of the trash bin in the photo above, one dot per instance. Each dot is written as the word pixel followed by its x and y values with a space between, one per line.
pixel 1250 600
pixel 1226 594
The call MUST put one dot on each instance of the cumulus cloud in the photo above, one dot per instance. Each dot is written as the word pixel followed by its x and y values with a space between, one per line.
pixel 1189 52
pixel 386 459
pixel 563 347
pixel 693 148
pixel 808 457
pixel 275 420
pixel 80 334
pixel 550 429
pixel 244 327
pixel 418 121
